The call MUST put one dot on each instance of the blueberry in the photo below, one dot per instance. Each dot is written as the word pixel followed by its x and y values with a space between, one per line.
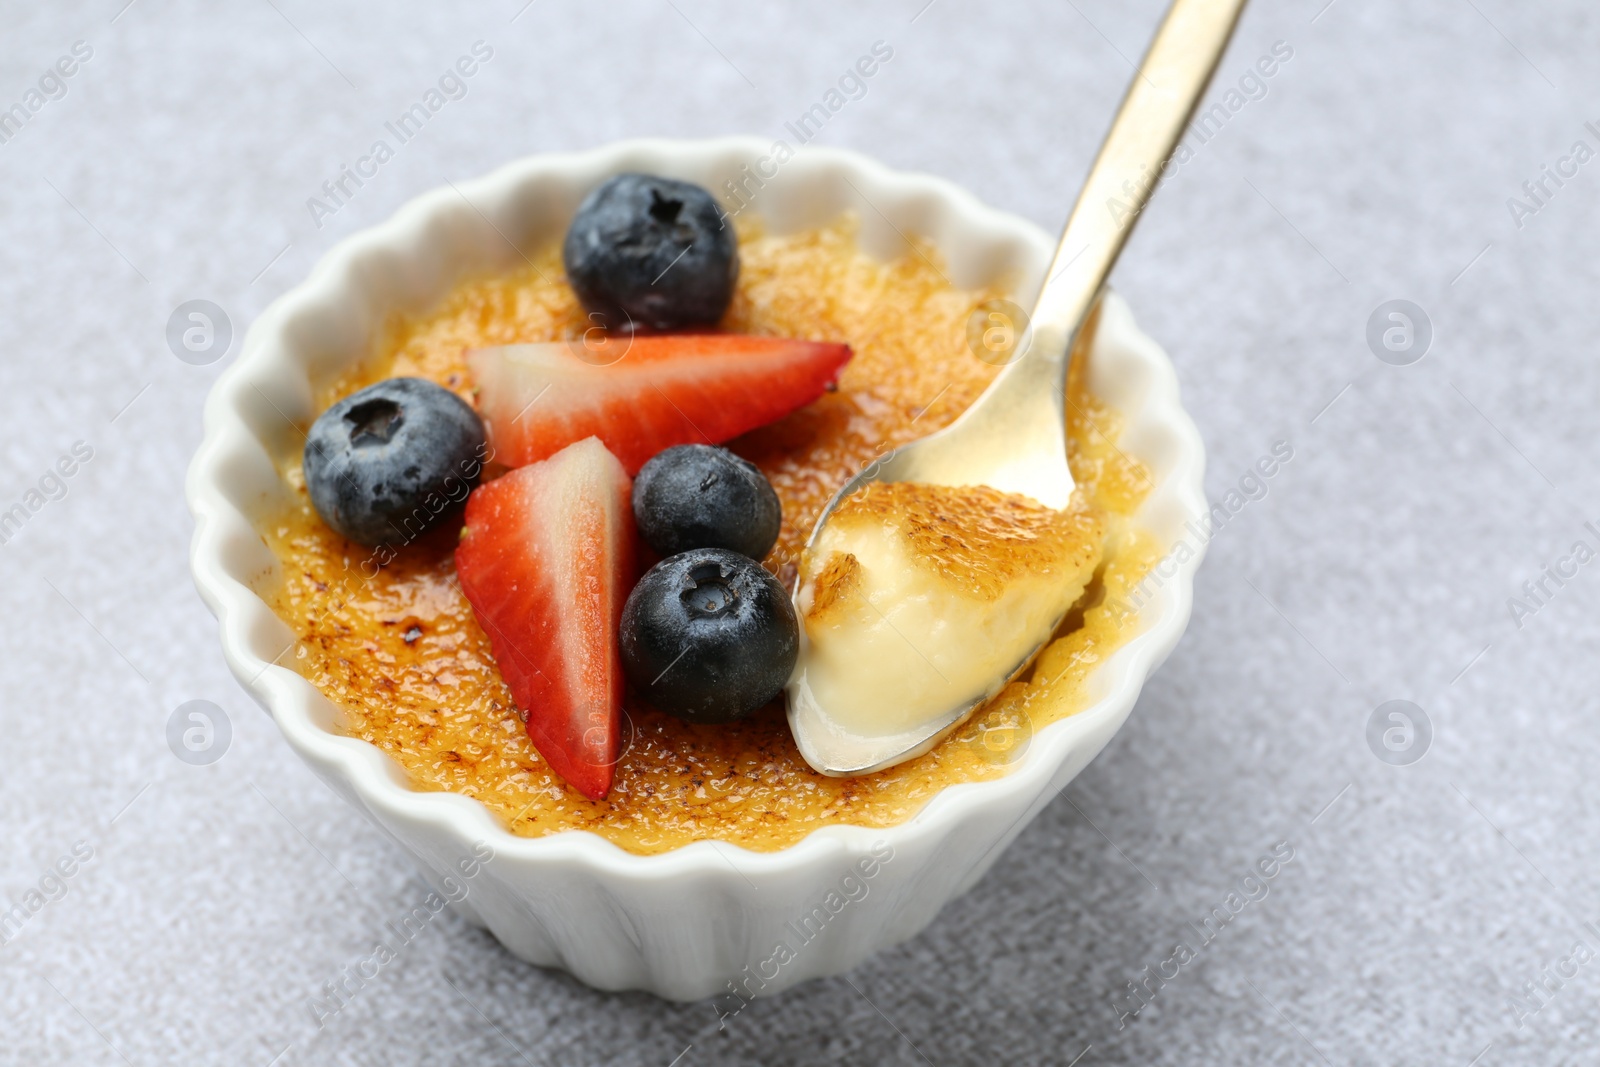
pixel 709 636
pixel 698 496
pixel 386 463
pixel 649 252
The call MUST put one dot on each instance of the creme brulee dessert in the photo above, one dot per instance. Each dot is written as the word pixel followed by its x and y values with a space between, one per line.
pixel 390 637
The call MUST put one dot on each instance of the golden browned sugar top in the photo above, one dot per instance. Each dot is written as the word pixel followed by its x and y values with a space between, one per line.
pixel 397 649
pixel 835 586
pixel 976 538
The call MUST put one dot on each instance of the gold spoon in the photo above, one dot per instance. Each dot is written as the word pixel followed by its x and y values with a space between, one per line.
pixel 1013 437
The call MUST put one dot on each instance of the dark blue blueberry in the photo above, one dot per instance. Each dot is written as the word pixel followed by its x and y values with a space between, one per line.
pixel 386 463
pixel 709 636
pixel 698 496
pixel 652 253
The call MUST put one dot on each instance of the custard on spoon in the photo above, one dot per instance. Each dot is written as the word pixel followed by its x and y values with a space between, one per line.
pixel 917 598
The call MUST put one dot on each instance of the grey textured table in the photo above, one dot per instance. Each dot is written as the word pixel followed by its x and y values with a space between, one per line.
pixel 1378 162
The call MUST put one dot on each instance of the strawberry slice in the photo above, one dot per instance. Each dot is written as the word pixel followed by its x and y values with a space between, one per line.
pixel 660 391
pixel 546 560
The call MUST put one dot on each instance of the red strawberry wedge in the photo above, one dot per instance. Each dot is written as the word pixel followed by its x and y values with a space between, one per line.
pixel 546 561
pixel 663 390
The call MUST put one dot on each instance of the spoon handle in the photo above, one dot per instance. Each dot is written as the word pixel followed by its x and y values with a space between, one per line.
pixel 1013 437
pixel 1157 108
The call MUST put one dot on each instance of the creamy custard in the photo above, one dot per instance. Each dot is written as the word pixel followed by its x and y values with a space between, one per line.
pixel 921 599
pixel 396 648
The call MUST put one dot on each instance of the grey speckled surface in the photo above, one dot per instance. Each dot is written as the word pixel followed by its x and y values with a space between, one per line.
pixel 1377 566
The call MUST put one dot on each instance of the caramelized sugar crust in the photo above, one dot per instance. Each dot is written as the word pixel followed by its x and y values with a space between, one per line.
pixel 975 539
pixel 393 643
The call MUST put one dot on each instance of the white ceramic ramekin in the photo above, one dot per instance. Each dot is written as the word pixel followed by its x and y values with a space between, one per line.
pixel 710 918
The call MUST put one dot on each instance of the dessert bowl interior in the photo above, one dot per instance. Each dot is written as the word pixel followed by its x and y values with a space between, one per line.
pixel 574 899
